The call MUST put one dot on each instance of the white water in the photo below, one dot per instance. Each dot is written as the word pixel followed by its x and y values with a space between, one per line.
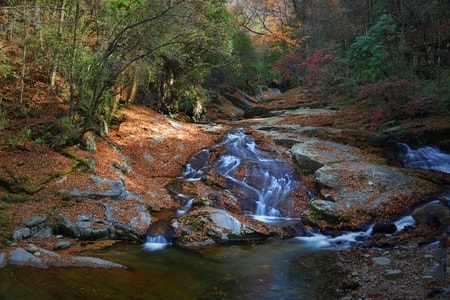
pixel 268 182
pixel 427 158
pixel 348 239
pixel 154 243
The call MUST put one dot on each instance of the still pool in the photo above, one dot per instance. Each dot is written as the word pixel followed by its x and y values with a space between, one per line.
pixel 270 270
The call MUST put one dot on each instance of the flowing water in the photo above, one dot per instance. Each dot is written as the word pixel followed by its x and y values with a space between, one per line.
pixel 301 268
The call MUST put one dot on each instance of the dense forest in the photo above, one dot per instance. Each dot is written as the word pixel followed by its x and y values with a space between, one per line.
pixel 175 55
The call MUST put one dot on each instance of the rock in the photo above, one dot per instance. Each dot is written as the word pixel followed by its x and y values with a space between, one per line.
pixel 32 248
pixel 385 228
pixel 35 221
pixel 62 245
pixel 66 228
pixel 394 274
pixel 88 141
pixel 432 213
pixel 200 226
pixel 382 261
pixel 93 262
pixel 21 234
pixel 315 154
pixel 21 257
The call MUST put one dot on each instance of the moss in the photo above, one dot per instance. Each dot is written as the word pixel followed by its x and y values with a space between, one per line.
pixel 15 198
pixel 319 214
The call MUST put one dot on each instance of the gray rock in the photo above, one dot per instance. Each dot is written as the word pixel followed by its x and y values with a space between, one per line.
pixel 62 245
pixel 382 261
pixel 394 274
pixel 21 257
pixel 67 228
pixel 35 221
pixel 86 261
pixel 42 231
pixel 32 248
pixel 21 234
pixel 433 212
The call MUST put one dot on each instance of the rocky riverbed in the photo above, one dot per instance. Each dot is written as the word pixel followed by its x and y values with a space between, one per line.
pixel 113 188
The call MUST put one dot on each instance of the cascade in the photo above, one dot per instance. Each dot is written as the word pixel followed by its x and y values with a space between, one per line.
pixel 263 183
pixel 427 158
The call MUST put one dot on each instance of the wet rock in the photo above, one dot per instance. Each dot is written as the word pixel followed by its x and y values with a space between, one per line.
pixel 384 228
pixel 20 257
pixel 93 262
pixel 432 213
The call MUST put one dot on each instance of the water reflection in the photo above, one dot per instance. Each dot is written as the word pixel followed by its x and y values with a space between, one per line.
pixel 272 270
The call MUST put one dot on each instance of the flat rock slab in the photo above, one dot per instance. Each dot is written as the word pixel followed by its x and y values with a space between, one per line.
pixel 44 259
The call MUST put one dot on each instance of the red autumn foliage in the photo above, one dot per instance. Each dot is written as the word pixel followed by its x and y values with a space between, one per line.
pixel 310 69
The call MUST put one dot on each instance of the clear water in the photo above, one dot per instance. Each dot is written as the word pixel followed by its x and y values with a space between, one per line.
pixel 272 270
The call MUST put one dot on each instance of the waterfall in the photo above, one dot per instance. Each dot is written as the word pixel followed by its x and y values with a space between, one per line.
pixel 261 181
pixel 158 242
pixel 427 158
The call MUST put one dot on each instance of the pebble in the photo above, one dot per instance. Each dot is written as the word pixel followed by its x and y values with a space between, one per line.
pixel 62 245
pixel 394 274
pixel 382 261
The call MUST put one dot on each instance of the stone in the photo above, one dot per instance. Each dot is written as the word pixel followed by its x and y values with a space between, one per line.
pixel 21 234
pixel 32 248
pixel 382 261
pixel 21 257
pixel 432 213
pixel 386 228
pixel 62 245
pixel 394 274
pixel 86 261
pixel 35 221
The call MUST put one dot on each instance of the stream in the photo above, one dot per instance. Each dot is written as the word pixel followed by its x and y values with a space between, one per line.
pixel 301 268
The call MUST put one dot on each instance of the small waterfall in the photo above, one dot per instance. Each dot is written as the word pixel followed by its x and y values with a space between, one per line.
pixel 158 242
pixel 263 183
pixel 427 158
pixel 158 236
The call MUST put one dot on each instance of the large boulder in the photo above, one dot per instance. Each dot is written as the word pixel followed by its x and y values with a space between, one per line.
pixel 432 213
pixel 354 187
pixel 208 225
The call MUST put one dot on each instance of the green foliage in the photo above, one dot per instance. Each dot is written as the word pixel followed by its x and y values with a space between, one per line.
pixel 247 60
pixel 370 56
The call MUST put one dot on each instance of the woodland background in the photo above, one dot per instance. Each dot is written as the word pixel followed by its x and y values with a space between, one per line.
pixel 175 56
